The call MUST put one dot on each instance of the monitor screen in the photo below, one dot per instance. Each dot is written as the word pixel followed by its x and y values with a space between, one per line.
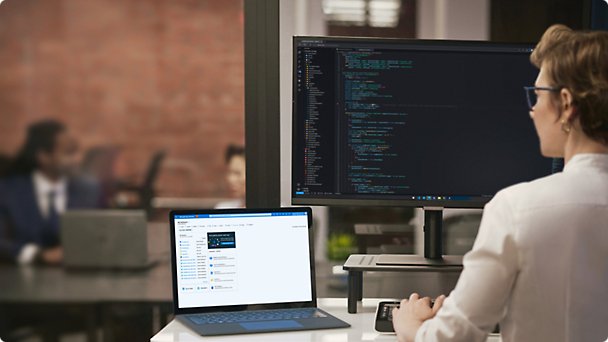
pixel 411 122
pixel 227 259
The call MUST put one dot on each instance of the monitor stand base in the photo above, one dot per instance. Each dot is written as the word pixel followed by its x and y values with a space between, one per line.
pixel 417 260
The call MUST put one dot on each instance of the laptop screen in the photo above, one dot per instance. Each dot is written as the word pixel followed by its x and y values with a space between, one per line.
pixel 242 258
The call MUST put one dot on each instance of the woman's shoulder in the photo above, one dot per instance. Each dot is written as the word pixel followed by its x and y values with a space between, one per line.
pixel 533 193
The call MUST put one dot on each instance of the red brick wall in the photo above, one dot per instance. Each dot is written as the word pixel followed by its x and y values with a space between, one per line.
pixel 142 74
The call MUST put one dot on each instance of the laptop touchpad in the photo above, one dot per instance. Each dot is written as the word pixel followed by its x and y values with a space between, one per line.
pixel 285 324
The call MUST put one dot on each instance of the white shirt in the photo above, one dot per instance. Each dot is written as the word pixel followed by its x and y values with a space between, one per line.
pixel 539 265
pixel 42 188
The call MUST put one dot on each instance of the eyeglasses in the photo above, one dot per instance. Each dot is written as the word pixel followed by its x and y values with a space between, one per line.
pixel 532 97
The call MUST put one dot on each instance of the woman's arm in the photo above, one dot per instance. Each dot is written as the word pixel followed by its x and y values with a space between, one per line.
pixel 481 295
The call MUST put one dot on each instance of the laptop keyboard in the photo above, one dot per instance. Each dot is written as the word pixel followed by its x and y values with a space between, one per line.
pixel 254 316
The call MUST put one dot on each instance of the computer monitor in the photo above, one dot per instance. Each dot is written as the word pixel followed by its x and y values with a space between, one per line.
pixel 424 123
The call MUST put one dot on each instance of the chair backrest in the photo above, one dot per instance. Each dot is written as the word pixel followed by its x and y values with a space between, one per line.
pixel 147 190
pixel 154 169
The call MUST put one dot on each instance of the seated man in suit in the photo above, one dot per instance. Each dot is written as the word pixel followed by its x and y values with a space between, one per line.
pixel 38 188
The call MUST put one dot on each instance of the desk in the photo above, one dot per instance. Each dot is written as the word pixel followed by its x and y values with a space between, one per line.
pixel 362 328
pixel 92 291
pixel 56 285
pixel 186 203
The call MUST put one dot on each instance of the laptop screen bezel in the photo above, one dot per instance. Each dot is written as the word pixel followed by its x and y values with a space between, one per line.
pixel 203 309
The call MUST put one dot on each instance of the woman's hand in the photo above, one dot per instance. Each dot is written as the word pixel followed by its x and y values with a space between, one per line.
pixel 412 313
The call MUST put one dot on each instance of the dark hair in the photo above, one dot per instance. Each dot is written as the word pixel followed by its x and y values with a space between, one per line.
pixel 578 61
pixel 41 136
pixel 234 151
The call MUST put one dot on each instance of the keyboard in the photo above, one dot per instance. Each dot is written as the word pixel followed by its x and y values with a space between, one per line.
pixel 253 316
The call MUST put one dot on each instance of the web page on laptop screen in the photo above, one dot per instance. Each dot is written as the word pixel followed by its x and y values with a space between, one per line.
pixel 238 259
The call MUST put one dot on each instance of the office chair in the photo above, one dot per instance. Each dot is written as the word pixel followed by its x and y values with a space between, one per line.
pixel 145 191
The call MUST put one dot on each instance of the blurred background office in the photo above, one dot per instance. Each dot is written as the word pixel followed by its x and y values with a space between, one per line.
pixel 116 105
pixel 147 101
pixel 152 90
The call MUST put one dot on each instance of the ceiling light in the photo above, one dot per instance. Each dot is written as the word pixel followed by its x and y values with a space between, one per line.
pixel 375 13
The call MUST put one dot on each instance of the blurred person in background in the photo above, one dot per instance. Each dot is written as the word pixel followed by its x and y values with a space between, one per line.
pixel 235 177
pixel 39 186
pixel 5 163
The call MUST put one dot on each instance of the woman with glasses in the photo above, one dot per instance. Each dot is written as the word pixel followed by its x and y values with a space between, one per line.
pixel 539 266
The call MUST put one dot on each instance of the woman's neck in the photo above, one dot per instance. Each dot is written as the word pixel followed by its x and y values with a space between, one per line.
pixel 578 142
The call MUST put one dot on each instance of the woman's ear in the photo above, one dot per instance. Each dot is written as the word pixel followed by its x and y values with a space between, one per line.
pixel 567 108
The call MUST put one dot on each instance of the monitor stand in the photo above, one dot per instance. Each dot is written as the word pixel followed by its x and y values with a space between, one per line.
pixel 433 247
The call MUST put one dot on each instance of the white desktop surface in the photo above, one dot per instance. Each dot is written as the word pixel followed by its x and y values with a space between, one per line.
pixel 362 328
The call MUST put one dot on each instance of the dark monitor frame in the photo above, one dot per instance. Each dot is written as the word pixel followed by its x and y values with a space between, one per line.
pixel 373 200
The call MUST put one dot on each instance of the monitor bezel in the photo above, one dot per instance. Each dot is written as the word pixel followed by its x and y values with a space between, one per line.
pixel 282 305
pixel 359 200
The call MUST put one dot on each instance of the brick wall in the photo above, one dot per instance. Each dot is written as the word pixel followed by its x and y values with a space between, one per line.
pixel 141 74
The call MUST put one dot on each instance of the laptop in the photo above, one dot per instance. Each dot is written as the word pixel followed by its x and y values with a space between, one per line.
pixel 239 271
pixel 113 239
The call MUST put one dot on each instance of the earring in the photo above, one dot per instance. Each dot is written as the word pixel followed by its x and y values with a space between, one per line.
pixel 566 127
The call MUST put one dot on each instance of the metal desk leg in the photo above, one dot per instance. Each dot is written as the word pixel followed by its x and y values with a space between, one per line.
pixel 165 311
pixel 359 287
pixel 92 323
pixel 355 290
pixel 107 323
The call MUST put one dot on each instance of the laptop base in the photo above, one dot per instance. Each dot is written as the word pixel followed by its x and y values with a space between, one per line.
pixel 322 320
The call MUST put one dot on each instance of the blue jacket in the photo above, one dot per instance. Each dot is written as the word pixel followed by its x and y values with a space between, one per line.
pixel 21 221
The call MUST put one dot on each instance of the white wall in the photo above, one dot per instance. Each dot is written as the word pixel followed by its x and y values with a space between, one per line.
pixel 453 19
